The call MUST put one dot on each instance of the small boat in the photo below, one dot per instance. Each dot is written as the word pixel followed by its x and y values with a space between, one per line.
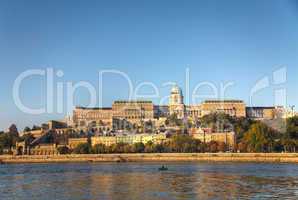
pixel 163 168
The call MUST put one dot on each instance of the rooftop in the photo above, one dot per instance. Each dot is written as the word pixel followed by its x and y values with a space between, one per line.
pixel 223 101
pixel 133 101
pixel 94 108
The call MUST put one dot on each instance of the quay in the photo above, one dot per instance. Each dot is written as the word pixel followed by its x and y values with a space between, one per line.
pixel 155 157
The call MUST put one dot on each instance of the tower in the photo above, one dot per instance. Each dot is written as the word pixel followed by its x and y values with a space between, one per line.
pixel 176 104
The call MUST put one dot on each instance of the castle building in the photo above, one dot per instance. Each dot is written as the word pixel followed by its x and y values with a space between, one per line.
pixel 194 111
pixel 235 108
pixel 260 113
pixel 128 139
pixel 130 111
pixel 83 117
pixel 176 105
pixel 135 112
pixel 226 137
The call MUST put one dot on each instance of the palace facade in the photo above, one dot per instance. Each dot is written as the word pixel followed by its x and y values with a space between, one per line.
pixel 135 112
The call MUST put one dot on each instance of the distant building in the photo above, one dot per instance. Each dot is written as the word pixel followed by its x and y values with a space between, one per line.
pixel 74 142
pixel 52 124
pixel 95 117
pixel 176 104
pixel 227 137
pixel 194 111
pixel 161 111
pixel 106 140
pixel 261 113
pixel 130 111
pixel 234 108
pixel 133 111
pixel 44 149
pixel 128 139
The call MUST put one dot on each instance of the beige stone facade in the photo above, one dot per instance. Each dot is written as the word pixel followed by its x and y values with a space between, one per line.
pixel 260 113
pixel 133 111
pixel 106 140
pixel 83 117
pixel 235 108
pixel 227 137
pixel 194 111
pixel 74 142
pixel 176 104
pixel 128 139
pixel 44 149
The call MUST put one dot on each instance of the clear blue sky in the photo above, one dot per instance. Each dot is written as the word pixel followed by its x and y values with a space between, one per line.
pixel 220 41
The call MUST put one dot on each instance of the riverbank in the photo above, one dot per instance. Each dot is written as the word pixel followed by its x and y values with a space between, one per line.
pixel 160 157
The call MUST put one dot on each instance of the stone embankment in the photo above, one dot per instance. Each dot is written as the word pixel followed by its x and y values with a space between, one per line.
pixel 161 157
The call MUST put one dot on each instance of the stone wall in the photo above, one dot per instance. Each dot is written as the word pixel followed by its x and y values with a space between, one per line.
pixel 165 157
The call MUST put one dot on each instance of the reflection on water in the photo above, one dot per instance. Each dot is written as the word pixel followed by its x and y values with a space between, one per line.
pixel 144 181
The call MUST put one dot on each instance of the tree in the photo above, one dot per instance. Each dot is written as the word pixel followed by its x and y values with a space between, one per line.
pixel 99 149
pixel 138 147
pixel 83 148
pixel 290 138
pixel 63 150
pixel 34 128
pixel 213 147
pixel 242 147
pixel 222 147
pixel 120 148
pixel 241 126
pixel 218 121
pixel 159 148
pixel 184 143
pixel 7 140
pixel 173 120
pixel 13 129
pixel 148 127
pixel 149 147
pixel 259 138
pixel 28 138
pixel 27 129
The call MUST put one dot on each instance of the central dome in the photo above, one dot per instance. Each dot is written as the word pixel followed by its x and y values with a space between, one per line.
pixel 176 90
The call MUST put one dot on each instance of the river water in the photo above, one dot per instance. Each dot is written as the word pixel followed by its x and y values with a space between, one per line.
pixel 194 180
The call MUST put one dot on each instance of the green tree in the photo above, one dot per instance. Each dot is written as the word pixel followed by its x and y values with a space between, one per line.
pixel 34 128
pixel 290 138
pixel 83 148
pixel 218 121
pixel 13 130
pixel 148 126
pixel 27 129
pixel 184 143
pixel 159 148
pixel 99 149
pixel 28 138
pixel 120 148
pixel 173 120
pixel 213 147
pixel 149 147
pixel 259 138
pixel 138 147
pixel 63 150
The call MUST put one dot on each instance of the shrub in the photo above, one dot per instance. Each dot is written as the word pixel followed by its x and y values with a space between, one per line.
pixel 83 148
